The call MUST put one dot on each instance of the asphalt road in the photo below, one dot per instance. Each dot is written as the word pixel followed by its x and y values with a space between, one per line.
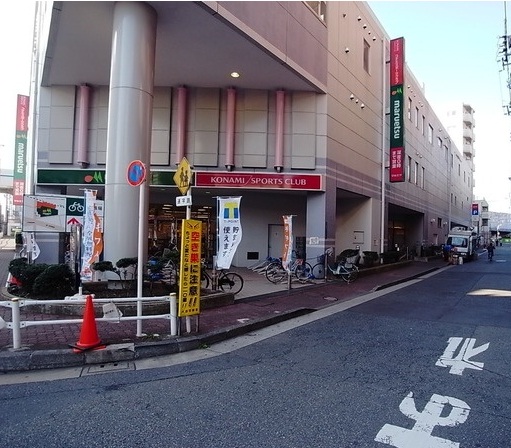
pixel 425 364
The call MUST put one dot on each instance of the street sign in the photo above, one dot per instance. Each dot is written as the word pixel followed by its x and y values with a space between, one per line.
pixel 183 176
pixel 136 173
pixel 182 201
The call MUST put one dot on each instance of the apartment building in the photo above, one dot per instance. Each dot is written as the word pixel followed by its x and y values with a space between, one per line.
pixel 285 104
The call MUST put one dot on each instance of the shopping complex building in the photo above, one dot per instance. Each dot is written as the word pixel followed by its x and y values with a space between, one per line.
pixel 300 108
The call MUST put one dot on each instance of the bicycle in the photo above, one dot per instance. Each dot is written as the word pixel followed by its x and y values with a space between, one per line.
pixel 301 269
pixel 341 268
pixel 227 281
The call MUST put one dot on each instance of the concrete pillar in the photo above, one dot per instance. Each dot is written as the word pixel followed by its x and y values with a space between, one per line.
pixel 321 220
pixel 129 124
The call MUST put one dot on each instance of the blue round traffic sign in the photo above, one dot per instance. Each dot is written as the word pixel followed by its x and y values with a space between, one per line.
pixel 136 173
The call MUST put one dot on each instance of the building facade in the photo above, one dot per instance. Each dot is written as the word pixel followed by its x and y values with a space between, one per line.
pixel 285 104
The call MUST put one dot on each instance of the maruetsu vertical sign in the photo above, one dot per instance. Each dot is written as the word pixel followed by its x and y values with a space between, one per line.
pixel 20 150
pixel 397 128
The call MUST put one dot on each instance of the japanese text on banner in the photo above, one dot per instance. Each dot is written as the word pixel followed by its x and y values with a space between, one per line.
pixel 288 241
pixel 229 230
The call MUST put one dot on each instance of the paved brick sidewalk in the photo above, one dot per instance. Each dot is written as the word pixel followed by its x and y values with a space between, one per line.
pixel 265 305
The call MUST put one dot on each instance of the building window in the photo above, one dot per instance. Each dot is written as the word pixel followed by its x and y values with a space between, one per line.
pixel 439 142
pixel 409 169
pixel 416 117
pixel 430 134
pixel 367 47
pixel 416 174
pixel 410 109
pixel 319 8
pixel 423 122
pixel 423 177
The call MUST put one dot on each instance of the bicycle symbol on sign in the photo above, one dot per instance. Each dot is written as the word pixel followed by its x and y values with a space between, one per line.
pixel 76 207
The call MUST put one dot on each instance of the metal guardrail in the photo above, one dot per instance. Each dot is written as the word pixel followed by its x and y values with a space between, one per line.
pixel 17 303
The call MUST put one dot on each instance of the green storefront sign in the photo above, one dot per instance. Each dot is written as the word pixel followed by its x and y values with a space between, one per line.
pixel 95 177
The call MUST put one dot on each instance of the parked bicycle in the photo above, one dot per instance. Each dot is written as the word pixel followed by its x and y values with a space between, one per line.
pixel 301 269
pixel 341 268
pixel 227 281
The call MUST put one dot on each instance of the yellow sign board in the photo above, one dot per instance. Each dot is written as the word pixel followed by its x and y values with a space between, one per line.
pixel 190 268
pixel 183 176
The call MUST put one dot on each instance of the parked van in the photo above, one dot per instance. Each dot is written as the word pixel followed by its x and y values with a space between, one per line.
pixel 463 243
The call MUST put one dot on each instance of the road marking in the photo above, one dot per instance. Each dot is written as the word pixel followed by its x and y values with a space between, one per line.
pixel 462 360
pixel 420 435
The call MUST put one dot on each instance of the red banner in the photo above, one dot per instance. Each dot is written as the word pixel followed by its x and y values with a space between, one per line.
pixel 397 59
pixel 397 168
pixel 259 180
pixel 20 149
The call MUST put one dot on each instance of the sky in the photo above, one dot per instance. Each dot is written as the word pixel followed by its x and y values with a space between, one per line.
pixel 16 25
pixel 451 48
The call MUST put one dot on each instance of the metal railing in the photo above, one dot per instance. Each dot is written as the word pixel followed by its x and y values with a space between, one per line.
pixel 17 303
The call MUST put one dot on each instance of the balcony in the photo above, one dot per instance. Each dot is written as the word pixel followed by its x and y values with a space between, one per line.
pixel 468 117
pixel 468 149
pixel 468 133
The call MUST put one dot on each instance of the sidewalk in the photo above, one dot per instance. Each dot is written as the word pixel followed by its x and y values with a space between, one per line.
pixel 260 304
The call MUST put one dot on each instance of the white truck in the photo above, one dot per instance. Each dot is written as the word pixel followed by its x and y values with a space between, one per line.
pixel 463 243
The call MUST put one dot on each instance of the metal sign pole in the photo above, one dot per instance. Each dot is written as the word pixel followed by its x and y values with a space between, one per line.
pixel 140 264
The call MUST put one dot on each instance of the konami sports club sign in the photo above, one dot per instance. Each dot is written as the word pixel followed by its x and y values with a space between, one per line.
pixel 309 182
pixel 206 179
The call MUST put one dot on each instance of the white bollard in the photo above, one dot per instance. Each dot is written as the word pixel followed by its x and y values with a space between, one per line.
pixel 16 329
pixel 173 314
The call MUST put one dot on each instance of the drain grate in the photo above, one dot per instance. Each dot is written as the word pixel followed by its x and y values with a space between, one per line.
pixel 108 368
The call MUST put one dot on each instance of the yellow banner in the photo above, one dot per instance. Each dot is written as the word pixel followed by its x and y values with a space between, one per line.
pixel 190 268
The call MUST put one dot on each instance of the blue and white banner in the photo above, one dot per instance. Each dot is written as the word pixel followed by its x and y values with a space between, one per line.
pixel 229 230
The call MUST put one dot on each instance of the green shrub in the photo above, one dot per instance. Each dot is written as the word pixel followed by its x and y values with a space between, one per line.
pixel 124 263
pixel 18 266
pixel 56 281
pixel 391 256
pixel 370 255
pixel 30 275
pixel 103 266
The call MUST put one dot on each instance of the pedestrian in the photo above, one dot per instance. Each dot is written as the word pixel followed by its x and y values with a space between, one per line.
pixel 491 249
pixel 446 251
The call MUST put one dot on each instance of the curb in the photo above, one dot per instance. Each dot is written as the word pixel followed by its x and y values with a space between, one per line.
pixel 26 359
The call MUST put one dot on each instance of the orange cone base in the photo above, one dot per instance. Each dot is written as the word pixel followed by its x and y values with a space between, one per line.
pixel 80 349
pixel 89 339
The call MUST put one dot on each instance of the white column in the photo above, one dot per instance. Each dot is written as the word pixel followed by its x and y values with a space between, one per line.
pixel 129 123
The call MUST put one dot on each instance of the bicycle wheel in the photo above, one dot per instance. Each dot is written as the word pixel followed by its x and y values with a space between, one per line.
pixel 318 271
pixel 230 282
pixel 350 274
pixel 303 271
pixel 275 273
pixel 204 279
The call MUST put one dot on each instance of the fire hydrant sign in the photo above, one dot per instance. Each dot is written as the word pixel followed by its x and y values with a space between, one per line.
pixel 190 268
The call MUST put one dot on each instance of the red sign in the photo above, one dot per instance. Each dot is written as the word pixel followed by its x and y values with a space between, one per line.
pixel 397 168
pixel 268 181
pixel 20 150
pixel 397 58
pixel 136 173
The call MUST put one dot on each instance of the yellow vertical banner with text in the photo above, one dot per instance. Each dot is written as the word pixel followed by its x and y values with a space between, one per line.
pixel 190 268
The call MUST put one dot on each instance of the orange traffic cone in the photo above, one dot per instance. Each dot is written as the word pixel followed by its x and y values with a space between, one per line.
pixel 89 339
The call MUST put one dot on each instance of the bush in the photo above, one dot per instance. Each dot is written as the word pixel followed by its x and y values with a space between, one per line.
pixel 391 256
pixel 56 281
pixel 370 255
pixel 103 266
pixel 29 276
pixel 18 266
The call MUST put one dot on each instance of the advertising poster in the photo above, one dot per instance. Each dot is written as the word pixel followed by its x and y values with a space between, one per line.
pixel 229 230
